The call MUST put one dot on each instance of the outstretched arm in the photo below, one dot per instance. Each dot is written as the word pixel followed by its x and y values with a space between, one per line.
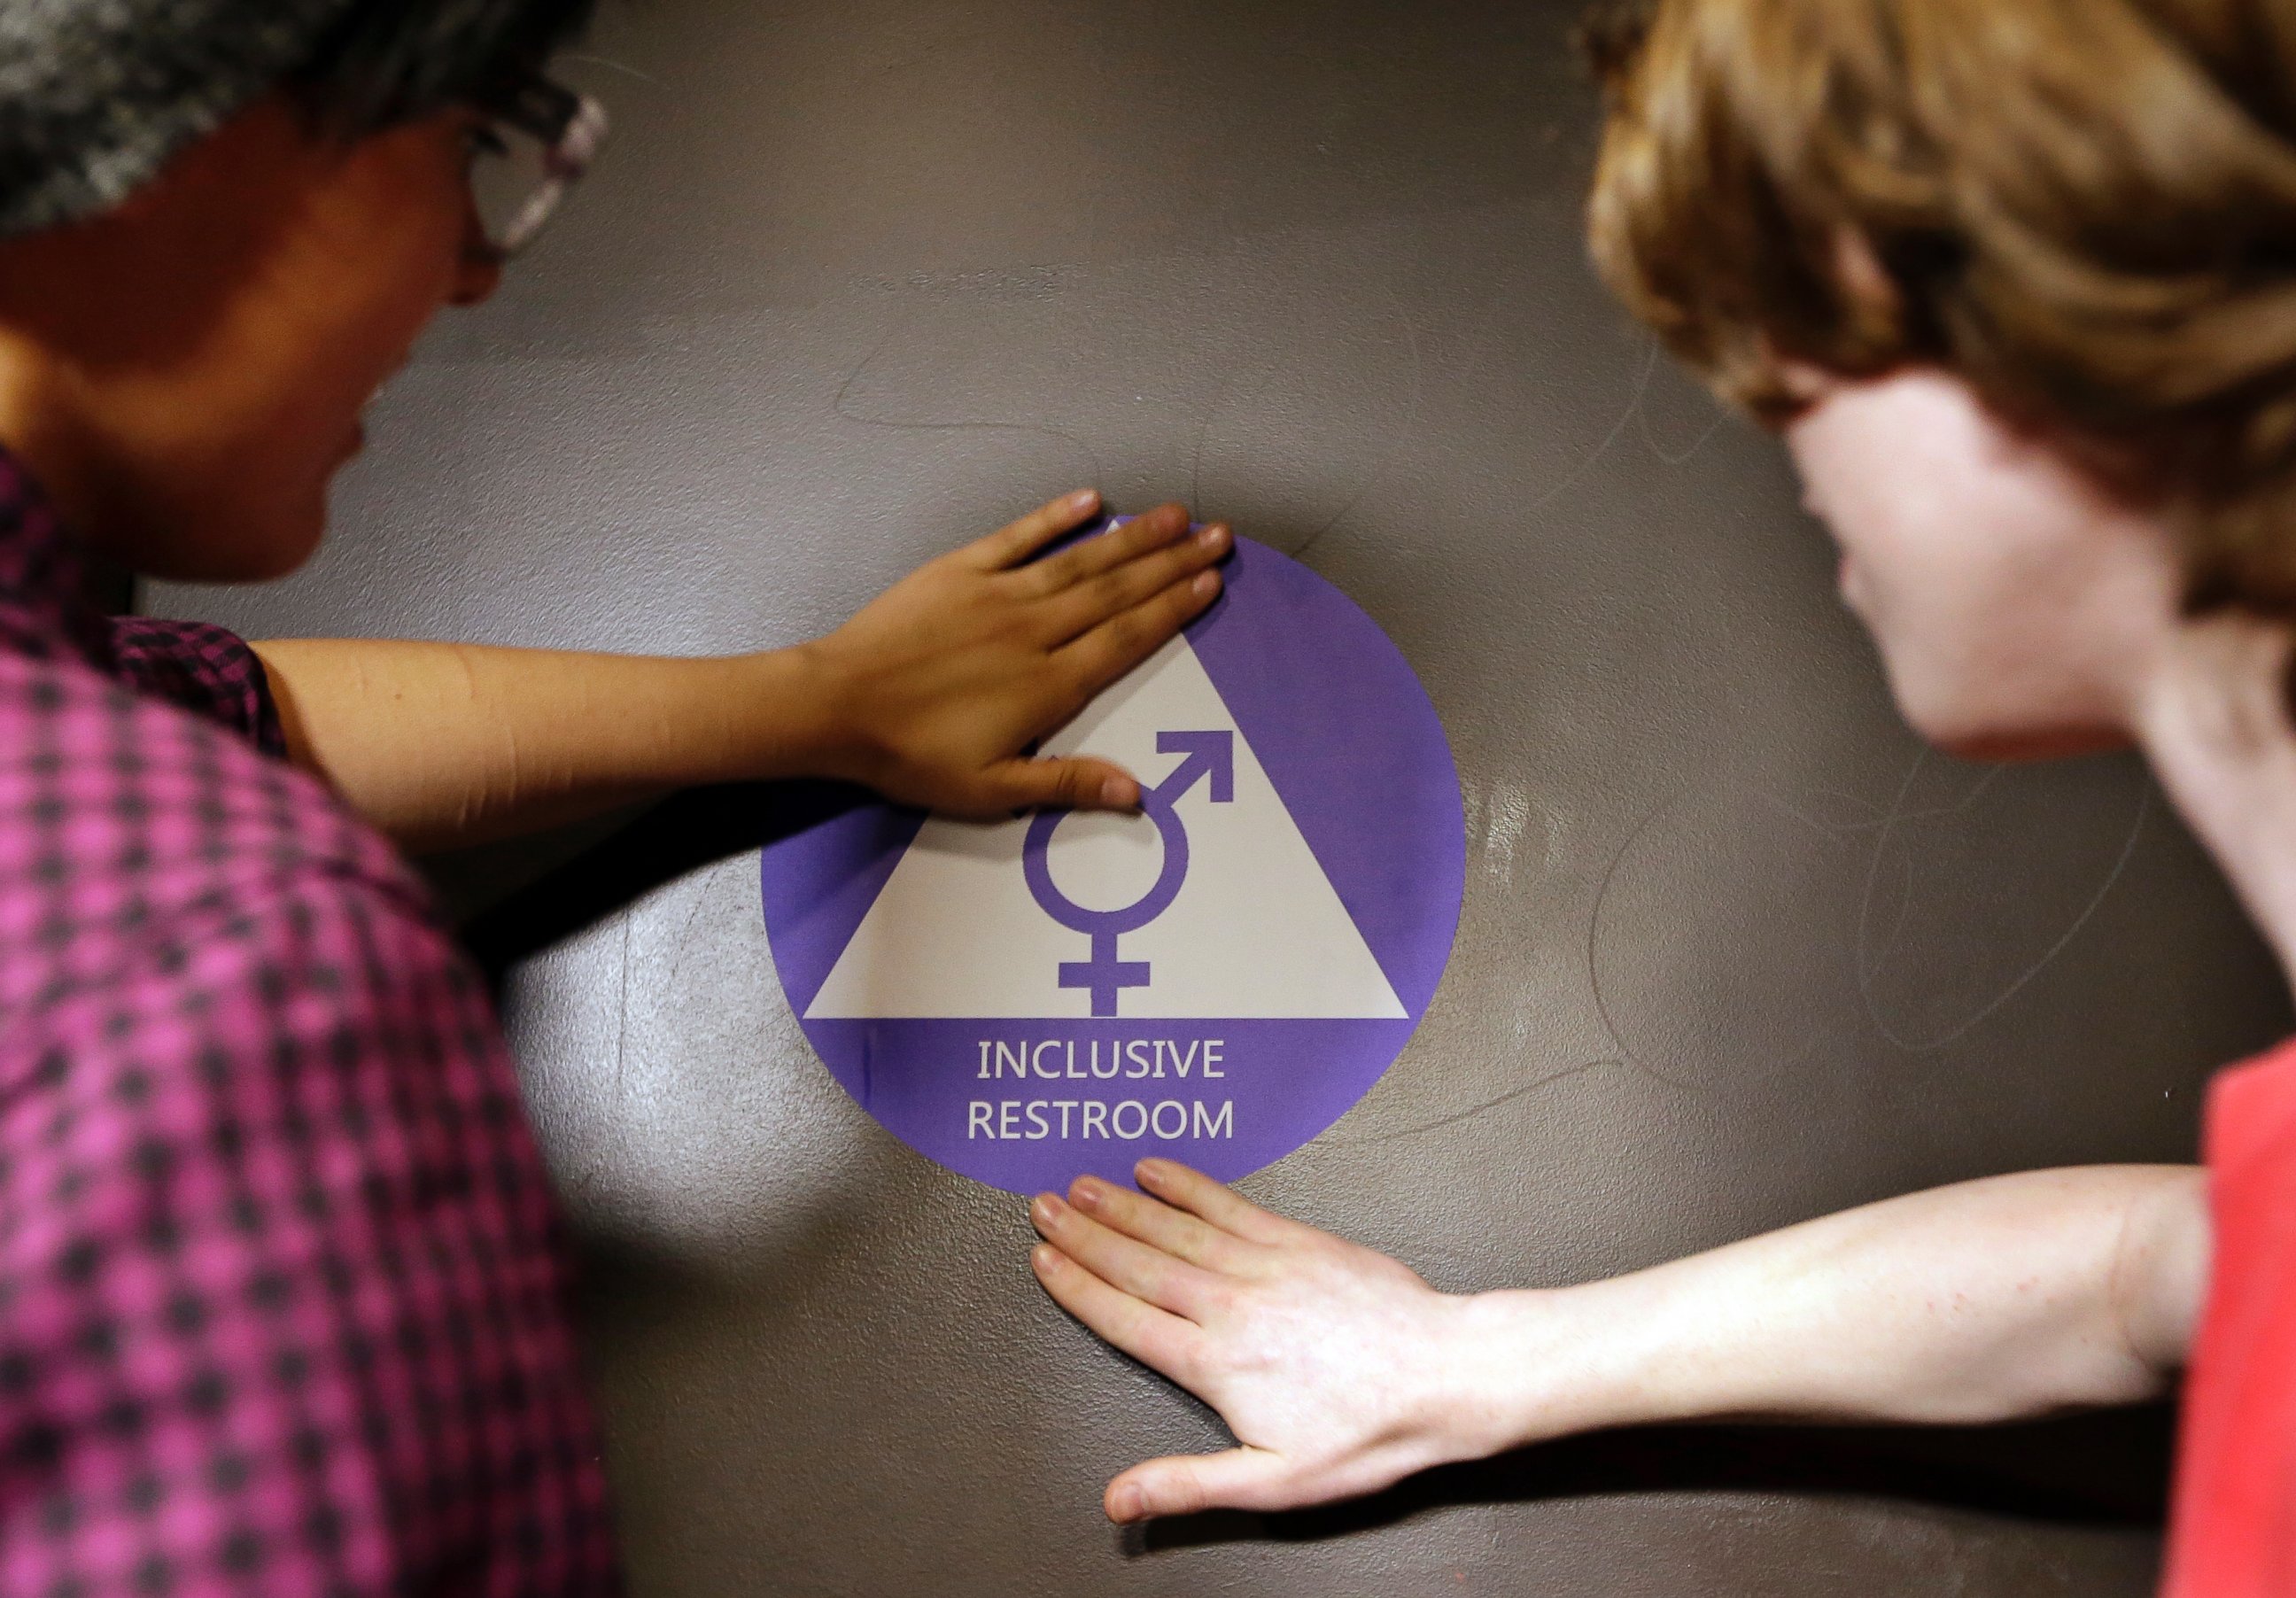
pixel 931 694
pixel 1340 1371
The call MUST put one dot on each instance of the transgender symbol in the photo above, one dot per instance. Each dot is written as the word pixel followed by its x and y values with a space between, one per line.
pixel 1208 755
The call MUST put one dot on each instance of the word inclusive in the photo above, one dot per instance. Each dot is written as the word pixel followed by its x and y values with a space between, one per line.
pixel 1130 1058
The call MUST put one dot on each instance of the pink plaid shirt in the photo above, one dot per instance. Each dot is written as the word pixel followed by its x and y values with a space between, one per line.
pixel 282 1286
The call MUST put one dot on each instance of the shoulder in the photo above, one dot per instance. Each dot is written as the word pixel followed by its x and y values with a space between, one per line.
pixel 258 1104
pixel 131 829
pixel 203 668
pixel 2250 1120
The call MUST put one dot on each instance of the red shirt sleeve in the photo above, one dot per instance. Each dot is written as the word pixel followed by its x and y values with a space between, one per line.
pixel 2232 1530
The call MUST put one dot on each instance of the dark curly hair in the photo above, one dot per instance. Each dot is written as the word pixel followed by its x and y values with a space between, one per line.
pixel 391 61
pixel 96 96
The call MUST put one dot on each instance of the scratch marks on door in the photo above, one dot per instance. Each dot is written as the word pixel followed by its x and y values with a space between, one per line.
pixel 1735 932
pixel 845 410
pixel 1894 867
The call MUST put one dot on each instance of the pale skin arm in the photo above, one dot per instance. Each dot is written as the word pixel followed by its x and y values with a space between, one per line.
pixel 1340 1371
pixel 931 694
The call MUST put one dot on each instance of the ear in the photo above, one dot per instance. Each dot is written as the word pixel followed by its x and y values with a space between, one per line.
pixel 1862 275
pixel 1876 305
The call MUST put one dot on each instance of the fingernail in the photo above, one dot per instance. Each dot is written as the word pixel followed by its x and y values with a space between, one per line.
pixel 1086 1193
pixel 1214 536
pixel 1207 583
pixel 1046 1210
pixel 1120 793
pixel 1083 497
pixel 1149 1170
pixel 1044 1258
pixel 1124 1503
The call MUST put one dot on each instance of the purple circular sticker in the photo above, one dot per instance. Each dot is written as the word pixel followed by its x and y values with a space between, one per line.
pixel 1216 980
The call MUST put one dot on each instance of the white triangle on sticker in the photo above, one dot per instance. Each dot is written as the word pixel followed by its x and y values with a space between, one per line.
pixel 1256 931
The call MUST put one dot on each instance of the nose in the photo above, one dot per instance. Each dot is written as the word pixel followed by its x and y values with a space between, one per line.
pixel 478 273
pixel 479 268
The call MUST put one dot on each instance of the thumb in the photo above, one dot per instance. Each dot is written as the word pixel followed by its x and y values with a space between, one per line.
pixel 1184 1483
pixel 1074 784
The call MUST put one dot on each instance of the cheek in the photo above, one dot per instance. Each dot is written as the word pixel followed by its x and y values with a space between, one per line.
pixel 412 263
pixel 373 257
pixel 1896 474
pixel 1854 492
pixel 1917 567
pixel 382 255
pixel 1974 558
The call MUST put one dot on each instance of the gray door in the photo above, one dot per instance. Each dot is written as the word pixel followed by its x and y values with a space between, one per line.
pixel 856 282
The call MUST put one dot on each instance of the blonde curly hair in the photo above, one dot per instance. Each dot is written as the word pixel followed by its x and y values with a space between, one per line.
pixel 2085 207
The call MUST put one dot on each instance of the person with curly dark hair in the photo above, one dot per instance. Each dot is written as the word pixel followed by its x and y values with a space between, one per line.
pixel 280 1277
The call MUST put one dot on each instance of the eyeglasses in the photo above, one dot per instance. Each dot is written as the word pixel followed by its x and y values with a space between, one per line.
pixel 537 141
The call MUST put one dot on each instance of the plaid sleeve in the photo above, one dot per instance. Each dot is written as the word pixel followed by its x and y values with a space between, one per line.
pixel 283 1290
pixel 203 669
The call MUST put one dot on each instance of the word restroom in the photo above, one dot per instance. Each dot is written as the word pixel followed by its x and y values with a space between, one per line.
pixel 1012 1120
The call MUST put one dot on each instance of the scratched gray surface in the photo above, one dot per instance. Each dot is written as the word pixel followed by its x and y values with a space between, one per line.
pixel 857 282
